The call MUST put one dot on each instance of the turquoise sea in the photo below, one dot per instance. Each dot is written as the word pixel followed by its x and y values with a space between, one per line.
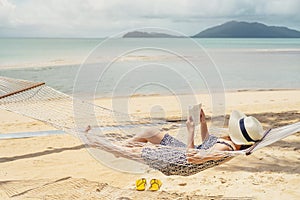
pixel 140 66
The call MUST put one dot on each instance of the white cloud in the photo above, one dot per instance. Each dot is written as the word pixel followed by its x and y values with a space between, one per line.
pixel 279 8
pixel 6 13
pixel 76 18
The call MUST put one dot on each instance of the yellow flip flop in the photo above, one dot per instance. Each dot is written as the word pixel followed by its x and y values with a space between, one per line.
pixel 155 184
pixel 140 184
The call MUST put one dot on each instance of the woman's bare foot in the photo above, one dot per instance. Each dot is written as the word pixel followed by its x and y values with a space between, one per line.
pixel 88 128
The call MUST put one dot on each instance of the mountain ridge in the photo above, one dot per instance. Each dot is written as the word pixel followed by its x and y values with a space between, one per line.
pixel 230 29
pixel 236 29
pixel 140 34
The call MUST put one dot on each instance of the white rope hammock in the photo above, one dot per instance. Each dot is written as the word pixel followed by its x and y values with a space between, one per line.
pixel 111 129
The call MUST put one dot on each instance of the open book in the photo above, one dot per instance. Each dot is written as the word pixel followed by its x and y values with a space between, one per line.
pixel 194 111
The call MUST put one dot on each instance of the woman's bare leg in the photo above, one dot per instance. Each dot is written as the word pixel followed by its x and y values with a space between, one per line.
pixel 151 135
pixel 117 151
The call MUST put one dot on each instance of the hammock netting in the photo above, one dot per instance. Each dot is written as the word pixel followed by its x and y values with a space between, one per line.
pixel 110 130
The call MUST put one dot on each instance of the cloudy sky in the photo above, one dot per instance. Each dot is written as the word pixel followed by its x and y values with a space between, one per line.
pixel 101 18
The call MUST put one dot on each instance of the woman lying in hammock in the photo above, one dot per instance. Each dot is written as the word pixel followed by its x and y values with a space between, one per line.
pixel 173 157
pixel 188 159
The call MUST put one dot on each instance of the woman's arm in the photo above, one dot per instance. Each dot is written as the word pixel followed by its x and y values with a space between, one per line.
pixel 191 132
pixel 204 129
pixel 191 129
pixel 198 156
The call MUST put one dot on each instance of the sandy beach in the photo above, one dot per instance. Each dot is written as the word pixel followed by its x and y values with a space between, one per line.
pixel 60 167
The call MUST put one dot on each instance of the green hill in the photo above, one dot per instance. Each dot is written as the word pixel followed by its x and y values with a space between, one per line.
pixel 234 29
pixel 139 34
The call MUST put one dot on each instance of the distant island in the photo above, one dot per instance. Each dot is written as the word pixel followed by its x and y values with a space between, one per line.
pixel 139 34
pixel 232 29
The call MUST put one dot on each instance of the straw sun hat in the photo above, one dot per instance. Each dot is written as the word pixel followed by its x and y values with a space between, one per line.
pixel 244 130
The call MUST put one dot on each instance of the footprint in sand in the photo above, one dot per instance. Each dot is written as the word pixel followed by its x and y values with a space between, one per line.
pixel 182 184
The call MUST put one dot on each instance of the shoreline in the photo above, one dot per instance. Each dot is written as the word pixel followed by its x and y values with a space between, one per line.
pixel 41 65
pixel 205 93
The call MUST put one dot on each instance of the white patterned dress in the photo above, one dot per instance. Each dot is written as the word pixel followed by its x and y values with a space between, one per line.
pixel 170 159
